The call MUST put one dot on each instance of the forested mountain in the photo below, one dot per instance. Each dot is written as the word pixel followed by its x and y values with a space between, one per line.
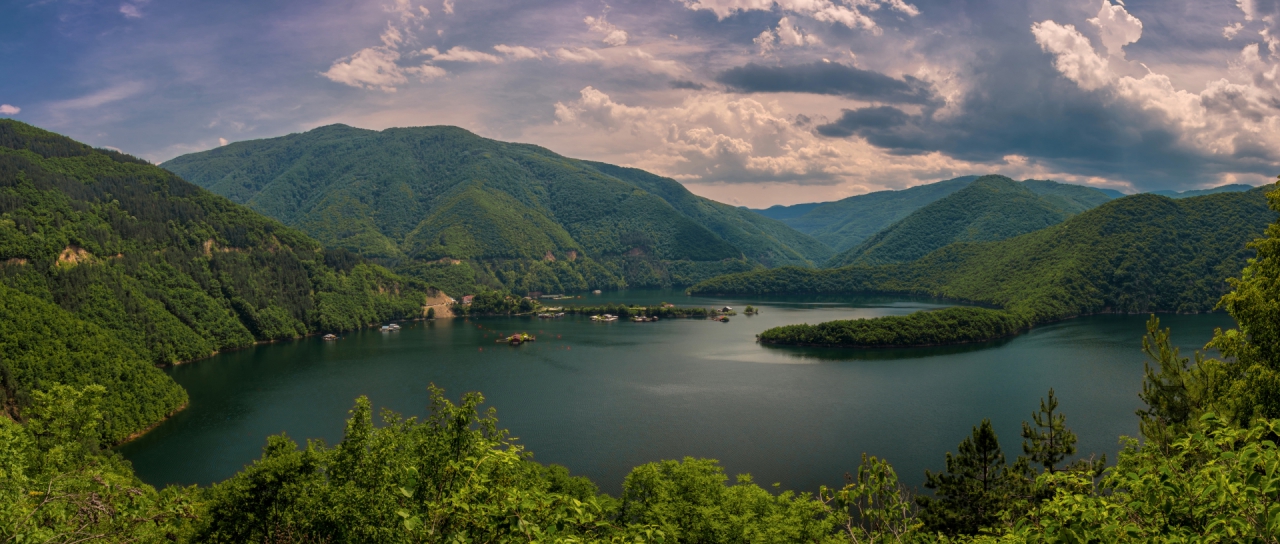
pixel 1141 253
pixel 988 209
pixel 845 223
pixel 109 266
pixel 515 215
pixel 1233 188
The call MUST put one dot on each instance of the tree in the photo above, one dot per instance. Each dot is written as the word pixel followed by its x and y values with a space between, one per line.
pixel 972 493
pixel 1050 441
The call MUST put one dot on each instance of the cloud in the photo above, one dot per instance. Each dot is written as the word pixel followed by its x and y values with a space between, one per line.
pixel 6 109
pixel 578 54
pixel 1073 55
pixel 462 54
pixel 785 34
pixel 130 11
pixel 830 78
pixel 845 12
pixel 222 141
pixel 1117 27
pixel 369 68
pixel 406 11
pixel 1229 32
pixel 519 52
pixel 613 35
pixel 686 84
pixel 448 6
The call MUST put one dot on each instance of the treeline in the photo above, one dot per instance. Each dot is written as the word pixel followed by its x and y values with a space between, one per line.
pixel 523 276
pixel 927 328
pixel 624 310
pixel 1142 253
pixel 98 245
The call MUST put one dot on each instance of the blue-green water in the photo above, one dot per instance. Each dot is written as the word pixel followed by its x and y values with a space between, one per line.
pixel 601 398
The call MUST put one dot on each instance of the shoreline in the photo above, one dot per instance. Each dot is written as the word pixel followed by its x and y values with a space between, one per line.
pixel 139 433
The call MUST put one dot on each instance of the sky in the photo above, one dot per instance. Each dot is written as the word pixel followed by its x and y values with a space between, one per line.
pixel 749 102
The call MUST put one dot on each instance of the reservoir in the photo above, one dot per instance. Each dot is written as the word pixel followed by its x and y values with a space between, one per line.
pixel 601 398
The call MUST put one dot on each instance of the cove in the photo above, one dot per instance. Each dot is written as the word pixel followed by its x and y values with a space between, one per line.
pixel 601 398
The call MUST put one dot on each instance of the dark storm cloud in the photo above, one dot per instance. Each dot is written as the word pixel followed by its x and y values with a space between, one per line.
pixel 1016 103
pixel 686 84
pixel 827 78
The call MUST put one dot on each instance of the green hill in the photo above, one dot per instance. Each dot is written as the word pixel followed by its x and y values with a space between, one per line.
pixel 988 209
pixel 110 265
pixel 1142 253
pixel 845 223
pixel 1233 188
pixel 517 216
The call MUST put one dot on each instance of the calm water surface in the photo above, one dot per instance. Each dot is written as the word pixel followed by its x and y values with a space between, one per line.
pixel 601 398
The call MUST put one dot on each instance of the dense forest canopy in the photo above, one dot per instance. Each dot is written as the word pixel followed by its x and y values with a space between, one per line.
pixel 1142 253
pixel 110 265
pixel 445 205
pixel 845 223
pixel 988 209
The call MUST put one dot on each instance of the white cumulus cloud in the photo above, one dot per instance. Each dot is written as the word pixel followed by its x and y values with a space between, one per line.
pixel 369 68
pixel 1229 32
pixel 519 52
pixel 1073 56
pixel 462 54
pixel 849 13
pixel 222 141
pixel 1117 27
pixel 612 34
pixel 6 109
pixel 785 34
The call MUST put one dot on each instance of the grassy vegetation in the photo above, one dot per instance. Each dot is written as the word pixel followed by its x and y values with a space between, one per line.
pixel 109 265
pixel 1142 253
pixel 416 196
pixel 991 208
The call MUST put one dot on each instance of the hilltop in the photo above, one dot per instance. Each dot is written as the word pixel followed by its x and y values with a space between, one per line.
pixel 1142 253
pixel 457 209
pixel 988 209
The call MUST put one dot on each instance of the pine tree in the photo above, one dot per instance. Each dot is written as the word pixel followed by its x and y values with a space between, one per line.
pixel 1049 442
pixel 971 494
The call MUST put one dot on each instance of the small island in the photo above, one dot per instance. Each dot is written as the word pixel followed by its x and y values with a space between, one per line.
pixel 959 325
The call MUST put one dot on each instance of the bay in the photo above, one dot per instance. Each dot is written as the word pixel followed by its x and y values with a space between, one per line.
pixel 601 398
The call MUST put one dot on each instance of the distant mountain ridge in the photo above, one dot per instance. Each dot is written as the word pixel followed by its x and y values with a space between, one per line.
pixel 1233 188
pixel 518 215
pixel 1142 253
pixel 988 209
pixel 845 223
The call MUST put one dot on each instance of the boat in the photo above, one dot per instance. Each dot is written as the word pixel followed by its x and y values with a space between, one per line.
pixel 330 336
pixel 605 317
pixel 391 327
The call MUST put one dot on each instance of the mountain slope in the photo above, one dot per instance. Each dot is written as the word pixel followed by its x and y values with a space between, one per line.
pixel 988 209
pixel 414 195
pixel 1141 253
pixel 110 265
pixel 1233 188
pixel 845 223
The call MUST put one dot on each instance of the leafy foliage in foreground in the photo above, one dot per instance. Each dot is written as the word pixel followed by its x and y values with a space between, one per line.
pixel 991 208
pixel 109 265
pixel 1141 253
pixel 521 217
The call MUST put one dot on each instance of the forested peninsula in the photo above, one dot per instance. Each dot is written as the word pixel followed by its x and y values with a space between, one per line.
pixel 110 265
pixel 1137 254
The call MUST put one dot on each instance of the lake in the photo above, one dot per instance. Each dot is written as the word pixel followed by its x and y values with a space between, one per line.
pixel 601 398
